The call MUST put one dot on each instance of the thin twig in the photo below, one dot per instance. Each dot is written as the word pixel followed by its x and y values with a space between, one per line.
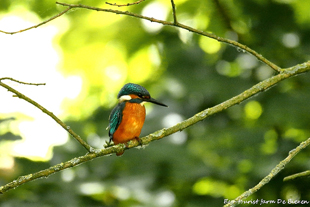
pixel 40 24
pixel 34 84
pixel 220 39
pixel 271 175
pixel 297 175
pixel 128 4
pixel 67 128
pixel 174 12
pixel 94 153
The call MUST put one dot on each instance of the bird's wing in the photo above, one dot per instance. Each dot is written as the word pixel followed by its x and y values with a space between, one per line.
pixel 115 118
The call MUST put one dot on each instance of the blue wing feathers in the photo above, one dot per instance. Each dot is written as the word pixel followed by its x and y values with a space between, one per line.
pixel 115 118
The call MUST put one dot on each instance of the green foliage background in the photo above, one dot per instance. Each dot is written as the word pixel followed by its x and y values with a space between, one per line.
pixel 213 160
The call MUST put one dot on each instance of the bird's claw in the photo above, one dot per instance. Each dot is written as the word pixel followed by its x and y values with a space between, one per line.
pixel 108 144
pixel 139 140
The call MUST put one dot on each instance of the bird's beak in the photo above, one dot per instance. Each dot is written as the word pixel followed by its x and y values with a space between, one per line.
pixel 155 102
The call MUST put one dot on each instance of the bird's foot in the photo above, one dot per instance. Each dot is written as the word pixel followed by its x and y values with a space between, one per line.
pixel 108 144
pixel 127 145
pixel 139 140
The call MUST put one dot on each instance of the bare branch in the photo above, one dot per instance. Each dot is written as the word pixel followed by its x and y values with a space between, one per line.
pixel 174 12
pixel 49 171
pixel 94 153
pixel 297 175
pixel 8 78
pixel 38 25
pixel 67 128
pixel 176 24
pixel 128 4
pixel 271 175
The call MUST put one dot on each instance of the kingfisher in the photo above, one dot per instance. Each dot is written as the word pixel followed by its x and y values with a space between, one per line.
pixel 127 118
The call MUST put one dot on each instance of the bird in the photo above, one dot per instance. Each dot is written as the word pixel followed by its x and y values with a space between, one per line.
pixel 127 118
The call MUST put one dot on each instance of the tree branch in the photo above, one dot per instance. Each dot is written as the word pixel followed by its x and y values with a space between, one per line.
pixel 22 96
pixel 174 12
pixel 40 24
pixel 297 175
pixel 34 84
pixel 272 174
pixel 56 168
pixel 176 24
pixel 128 4
pixel 94 153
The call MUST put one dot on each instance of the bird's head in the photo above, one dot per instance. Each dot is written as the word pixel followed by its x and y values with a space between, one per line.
pixel 134 91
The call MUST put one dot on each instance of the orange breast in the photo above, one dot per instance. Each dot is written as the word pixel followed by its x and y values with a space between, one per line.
pixel 132 123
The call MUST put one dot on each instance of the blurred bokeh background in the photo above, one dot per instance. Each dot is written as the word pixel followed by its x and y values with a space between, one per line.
pixel 85 57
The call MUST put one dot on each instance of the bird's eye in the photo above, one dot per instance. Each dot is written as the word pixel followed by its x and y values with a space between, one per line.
pixel 145 97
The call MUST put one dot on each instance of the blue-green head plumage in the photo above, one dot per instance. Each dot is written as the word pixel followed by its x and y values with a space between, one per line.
pixel 131 88
pixel 135 89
